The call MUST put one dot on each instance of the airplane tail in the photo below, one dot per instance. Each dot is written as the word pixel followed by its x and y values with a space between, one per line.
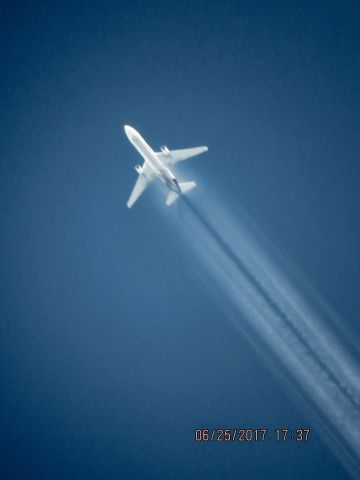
pixel 184 187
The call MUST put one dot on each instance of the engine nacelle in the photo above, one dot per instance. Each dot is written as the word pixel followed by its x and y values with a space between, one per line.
pixel 139 169
pixel 165 150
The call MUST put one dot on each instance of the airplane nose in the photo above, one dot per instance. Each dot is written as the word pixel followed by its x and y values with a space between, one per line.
pixel 128 130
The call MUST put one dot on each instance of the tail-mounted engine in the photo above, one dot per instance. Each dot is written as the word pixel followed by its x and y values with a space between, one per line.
pixel 139 169
pixel 165 150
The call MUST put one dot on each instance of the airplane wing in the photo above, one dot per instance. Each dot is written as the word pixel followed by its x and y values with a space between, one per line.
pixel 170 157
pixel 142 182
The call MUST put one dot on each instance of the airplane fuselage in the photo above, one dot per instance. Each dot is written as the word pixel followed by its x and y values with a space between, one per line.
pixel 151 159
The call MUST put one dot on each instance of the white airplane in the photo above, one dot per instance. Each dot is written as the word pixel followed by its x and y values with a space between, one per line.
pixel 156 165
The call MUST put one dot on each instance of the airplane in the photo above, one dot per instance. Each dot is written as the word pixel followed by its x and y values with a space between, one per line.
pixel 156 165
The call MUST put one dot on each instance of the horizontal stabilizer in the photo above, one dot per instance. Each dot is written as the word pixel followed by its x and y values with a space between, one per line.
pixel 184 187
pixel 171 198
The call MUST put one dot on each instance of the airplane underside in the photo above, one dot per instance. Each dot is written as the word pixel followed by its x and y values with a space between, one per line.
pixel 156 165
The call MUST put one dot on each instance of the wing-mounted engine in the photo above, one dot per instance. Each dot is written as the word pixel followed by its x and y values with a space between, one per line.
pixel 165 150
pixel 139 169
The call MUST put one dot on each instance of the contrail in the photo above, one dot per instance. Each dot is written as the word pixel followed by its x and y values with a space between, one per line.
pixel 283 318
pixel 290 300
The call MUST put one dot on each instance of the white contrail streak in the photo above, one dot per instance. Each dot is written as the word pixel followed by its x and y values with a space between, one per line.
pixel 283 318
pixel 303 316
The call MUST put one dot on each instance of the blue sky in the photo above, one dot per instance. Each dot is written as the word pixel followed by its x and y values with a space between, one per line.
pixel 112 348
